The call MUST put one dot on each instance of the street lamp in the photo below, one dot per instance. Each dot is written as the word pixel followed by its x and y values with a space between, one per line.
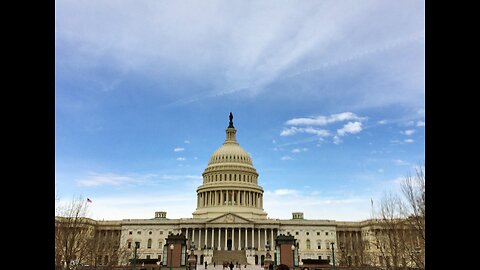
pixel 135 255
pixel 171 252
pixel 293 256
pixel 333 256
pixel 158 263
pixel 268 257
pixel 191 257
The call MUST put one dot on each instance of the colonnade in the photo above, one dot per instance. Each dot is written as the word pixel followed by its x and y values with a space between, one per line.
pixel 230 197
pixel 230 238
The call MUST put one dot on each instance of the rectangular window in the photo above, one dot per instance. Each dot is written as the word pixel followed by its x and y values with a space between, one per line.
pixel 328 258
pixel 130 232
pixel 160 244
pixel 129 245
pixel 296 233
pixel 161 232
pixel 318 233
pixel 139 232
pixel 159 257
pixel 148 257
pixel 326 233
pixel 319 247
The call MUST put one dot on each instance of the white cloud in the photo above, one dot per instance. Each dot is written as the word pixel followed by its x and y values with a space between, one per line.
pixel 420 124
pixel 186 141
pixel 286 158
pixel 323 120
pixel 350 127
pixel 195 158
pixel 408 132
pixel 336 139
pixel 274 142
pixel 382 122
pixel 409 141
pixel 381 171
pixel 298 150
pixel 400 162
pixel 108 179
pixel 181 159
pixel 310 130
pixel 179 149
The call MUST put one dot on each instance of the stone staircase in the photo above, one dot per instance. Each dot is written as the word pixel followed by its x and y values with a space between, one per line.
pixel 221 256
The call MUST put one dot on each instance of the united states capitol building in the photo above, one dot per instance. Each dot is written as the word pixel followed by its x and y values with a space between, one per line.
pixel 229 222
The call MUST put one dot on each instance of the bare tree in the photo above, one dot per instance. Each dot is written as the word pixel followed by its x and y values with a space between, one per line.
pixel 413 189
pixel 72 233
pixel 389 237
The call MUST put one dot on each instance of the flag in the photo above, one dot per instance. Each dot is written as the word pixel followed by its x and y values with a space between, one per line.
pixel 88 200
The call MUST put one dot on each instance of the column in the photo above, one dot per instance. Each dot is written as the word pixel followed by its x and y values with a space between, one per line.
pixel 198 201
pixel 199 239
pixel 253 243
pixel 225 247
pixel 239 239
pixel 193 236
pixel 244 198
pixel 264 238
pixel 206 234
pixel 213 238
pixel 221 197
pixel 238 198
pixel 233 238
pixel 259 239
pixel 271 240
pixel 246 238
pixel 219 236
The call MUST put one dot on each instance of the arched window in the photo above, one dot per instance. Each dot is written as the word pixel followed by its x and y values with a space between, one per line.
pixel 149 244
pixel 308 243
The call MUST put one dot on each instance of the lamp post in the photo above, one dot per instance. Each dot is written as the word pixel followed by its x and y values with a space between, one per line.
pixel 293 256
pixel 268 257
pixel 158 263
pixel 171 254
pixel 333 256
pixel 135 255
pixel 191 258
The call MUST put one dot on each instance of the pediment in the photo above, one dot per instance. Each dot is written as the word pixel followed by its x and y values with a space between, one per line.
pixel 229 218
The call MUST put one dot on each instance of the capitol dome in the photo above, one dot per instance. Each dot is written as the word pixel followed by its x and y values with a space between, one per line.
pixel 230 182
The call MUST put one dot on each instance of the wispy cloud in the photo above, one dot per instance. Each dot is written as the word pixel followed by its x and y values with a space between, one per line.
pixel 178 149
pixel 310 130
pixel 400 162
pixel 408 132
pixel 286 158
pixel 323 120
pixel 186 141
pixel 298 150
pixel 337 140
pixel 382 122
pixel 408 140
pixel 420 124
pixel 350 127
pixel 109 179
pixel 181 158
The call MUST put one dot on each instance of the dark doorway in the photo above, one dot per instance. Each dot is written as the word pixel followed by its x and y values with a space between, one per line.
pixel 256 259
pixel 201 259
pixel 229 244
pixel 262 259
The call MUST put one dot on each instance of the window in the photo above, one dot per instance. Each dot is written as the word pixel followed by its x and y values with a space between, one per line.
pixel 149 243
pixel 326 233
pixel 130 232
pixel 296 233
pixel 328 246
pixel 318 233
pixel 160 244
pixel 169 232
pixel 308 244
pixel 139 232
pixel 148 257
pixel 328 258
pixel 319 246
pixel 150 232
pixel 308 233
pixel 159 257
pixel 161 232
pixel 129 244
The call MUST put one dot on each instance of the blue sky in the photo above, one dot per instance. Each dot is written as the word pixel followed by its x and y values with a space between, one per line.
pixel 327 96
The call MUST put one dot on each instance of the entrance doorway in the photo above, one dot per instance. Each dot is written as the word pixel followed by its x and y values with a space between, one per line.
pixel 229 244
pixel 256 259
pixel 262 259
